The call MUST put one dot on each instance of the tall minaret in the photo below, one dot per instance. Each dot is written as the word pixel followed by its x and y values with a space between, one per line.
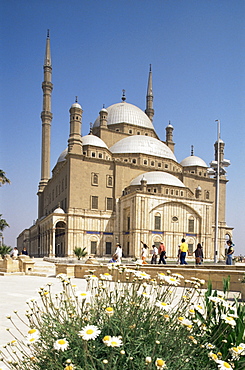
pixel 149 98
pixel 46 117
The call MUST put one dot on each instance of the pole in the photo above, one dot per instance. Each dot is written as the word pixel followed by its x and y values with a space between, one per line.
pixel 217 195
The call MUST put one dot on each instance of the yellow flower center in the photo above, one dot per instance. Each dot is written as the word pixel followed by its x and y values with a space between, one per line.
pixel 166 316
pixel 61 342
pixel 114 344
pixel 162 274
pixel 107 274
pixel 192 311
pixel 109 309
pixel 180 318
pixel 83 294
pixel 227 365
pixel 32 331
pixel 89 331
pixel 160 362
pixel 106 338
pixel 32 339
pixel 163 304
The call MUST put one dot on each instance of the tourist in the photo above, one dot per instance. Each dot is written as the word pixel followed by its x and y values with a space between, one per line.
pixel 144 253
pixel 162 253
pixel 154 254
pixel 15 253
pixel 230 252
pixel 178 255
pixel 183 251
pixel 119 253
pixel 198 254
pixel 113 258
pixel 24 251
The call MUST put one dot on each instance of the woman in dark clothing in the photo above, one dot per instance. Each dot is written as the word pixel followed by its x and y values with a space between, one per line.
pixel 199 254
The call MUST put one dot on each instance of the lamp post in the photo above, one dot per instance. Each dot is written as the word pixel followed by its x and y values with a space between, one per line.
pixel 217 169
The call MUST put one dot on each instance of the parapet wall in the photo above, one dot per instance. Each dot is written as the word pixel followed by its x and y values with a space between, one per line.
pixel 213 275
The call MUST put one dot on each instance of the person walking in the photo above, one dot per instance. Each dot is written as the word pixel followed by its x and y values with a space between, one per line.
pixel 162 254
pixel 183 251
pixel 198 254
pixel 154 254
pixel 144 253
pixel 119 253
pixel 230 252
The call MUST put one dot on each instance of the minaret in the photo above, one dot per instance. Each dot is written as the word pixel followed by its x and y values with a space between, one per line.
pixel 103 117
pixel 75 138
pixel 169 136
pixel 149 98
pixel 46 117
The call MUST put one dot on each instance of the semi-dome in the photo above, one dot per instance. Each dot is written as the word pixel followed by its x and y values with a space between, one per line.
pixel 86 140
pixel 59 210
pixel 193 160
pixel 158 177
pixel 143 144
pixel 126 113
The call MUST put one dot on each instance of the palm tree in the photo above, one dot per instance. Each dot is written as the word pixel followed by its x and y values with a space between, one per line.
pixel 80 252
pixel 3 223
pixel 5 249
pixel 3 178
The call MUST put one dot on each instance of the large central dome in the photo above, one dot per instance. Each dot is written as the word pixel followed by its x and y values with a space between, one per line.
pixel 143 144
pixel 126 113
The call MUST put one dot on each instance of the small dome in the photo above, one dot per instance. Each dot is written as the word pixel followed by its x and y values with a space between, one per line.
pixel 86 140
pixel 76 105
pixel 158 177
pixel 62 156
pixel 143 144
pixel 104 110
pixel 192 160
pixel 93 140
pixel 59 210
pixel 126 113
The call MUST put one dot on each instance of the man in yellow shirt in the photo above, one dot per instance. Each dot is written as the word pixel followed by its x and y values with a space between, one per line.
pixel 183 251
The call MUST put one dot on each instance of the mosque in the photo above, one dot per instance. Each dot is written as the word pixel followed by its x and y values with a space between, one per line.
pixel 122 184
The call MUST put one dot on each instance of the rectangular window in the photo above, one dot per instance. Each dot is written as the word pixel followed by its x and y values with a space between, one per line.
pixel 108 248
pixel 95 201
pixel 191 226
pixel 157 222
pixel 93 247
pixel 95 179
pixel 128 223
pixel 109 204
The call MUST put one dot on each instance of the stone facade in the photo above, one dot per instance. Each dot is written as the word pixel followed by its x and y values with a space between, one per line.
pixel 121 184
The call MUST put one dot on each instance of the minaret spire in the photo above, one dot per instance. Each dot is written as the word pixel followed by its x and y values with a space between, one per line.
pixel 46 116
pixel 149 97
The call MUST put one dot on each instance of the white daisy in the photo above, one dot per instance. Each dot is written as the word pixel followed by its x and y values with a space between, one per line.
pixel 34 333
pixel 199 308
pixel 81 295
pixel 109 311
pixel 142 275
pixel 163 305
pixel 223 365
pixel 106 276
pixel 115 342
pixel 89 332
pixel 171 280
pixel 61 344
pixel 144 294
pixel 228 320
pixel 185 322
pixel 160 364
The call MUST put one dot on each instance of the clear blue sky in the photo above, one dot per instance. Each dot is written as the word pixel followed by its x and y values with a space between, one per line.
pixel 197 52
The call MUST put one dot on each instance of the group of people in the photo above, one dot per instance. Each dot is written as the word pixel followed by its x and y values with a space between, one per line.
pixel 15 252
pixel 161 252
